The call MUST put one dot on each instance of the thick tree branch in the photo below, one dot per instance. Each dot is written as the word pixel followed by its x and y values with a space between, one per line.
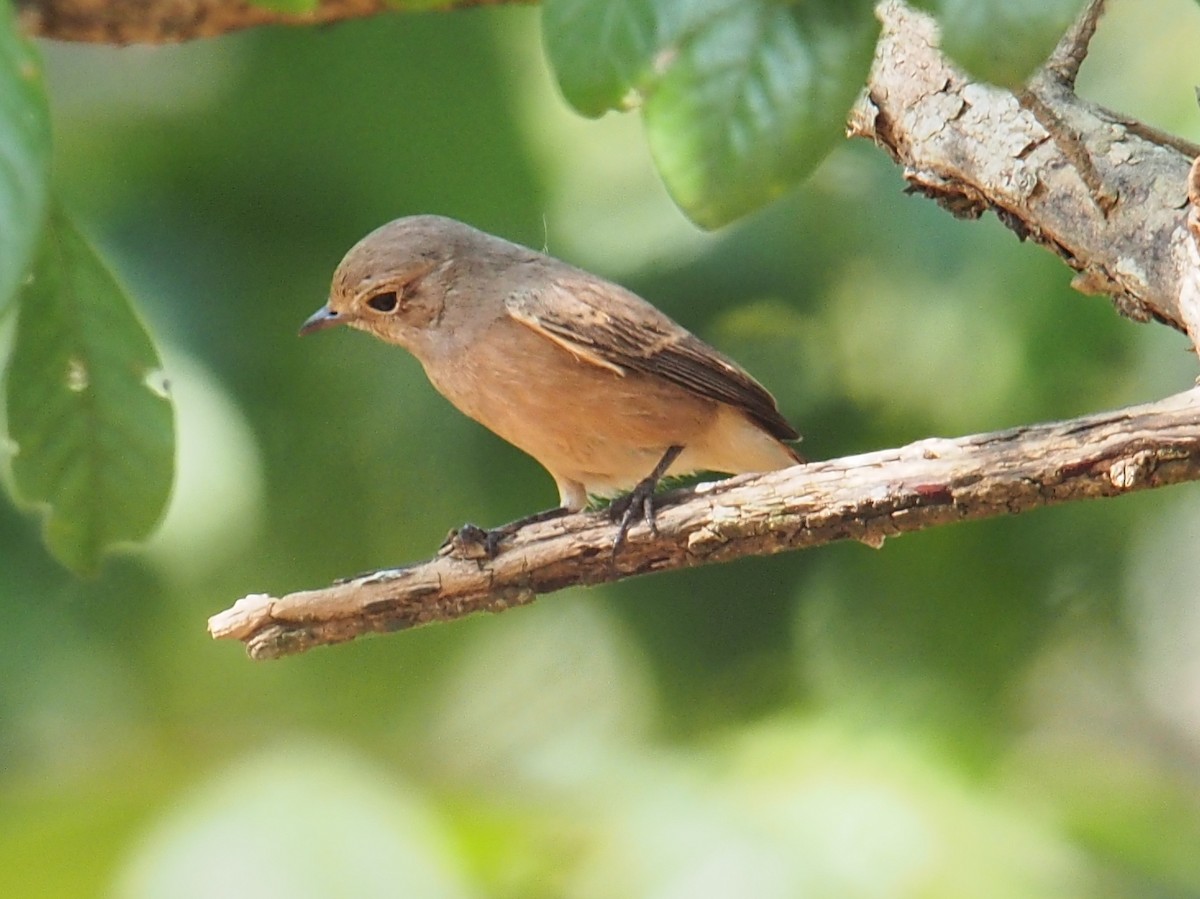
pixel 1106 194
pixel 866 498
pixel 171 21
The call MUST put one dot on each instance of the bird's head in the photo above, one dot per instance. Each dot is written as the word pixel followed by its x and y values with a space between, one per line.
pixel 393 282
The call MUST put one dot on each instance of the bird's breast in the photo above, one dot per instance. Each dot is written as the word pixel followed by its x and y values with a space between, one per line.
pixel 580 420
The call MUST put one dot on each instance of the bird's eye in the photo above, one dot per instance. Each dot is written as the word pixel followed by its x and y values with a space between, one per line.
pixel 384 302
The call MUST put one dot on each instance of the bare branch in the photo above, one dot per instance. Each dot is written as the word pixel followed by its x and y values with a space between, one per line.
pixel 1072 50
pixel 172 21
pixel 1071 145
pixel 866 498
pixel 1104 193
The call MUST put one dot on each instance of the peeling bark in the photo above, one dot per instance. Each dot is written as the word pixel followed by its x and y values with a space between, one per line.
pixel 1105 193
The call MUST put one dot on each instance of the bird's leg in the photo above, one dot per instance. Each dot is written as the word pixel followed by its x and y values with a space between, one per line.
pixel 641 498
pixel 473 542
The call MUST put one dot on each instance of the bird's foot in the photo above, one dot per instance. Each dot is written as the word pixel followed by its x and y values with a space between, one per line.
pixel 473 542
pixel 624 509
pixel 640 500
pixel 470 542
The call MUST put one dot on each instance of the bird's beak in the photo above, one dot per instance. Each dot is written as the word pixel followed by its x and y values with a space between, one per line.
pixel 320 320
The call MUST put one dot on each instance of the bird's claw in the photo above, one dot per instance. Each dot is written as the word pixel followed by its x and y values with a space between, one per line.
pixel 641 497
pixel 471 542
pixel 624 510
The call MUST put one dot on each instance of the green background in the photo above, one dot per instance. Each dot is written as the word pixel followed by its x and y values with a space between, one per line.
pixel 1009 708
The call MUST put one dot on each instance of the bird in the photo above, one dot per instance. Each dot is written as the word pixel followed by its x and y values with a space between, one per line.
pixel 605 391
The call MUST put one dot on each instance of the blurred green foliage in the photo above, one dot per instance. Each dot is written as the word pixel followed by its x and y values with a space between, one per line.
pixel 1000 709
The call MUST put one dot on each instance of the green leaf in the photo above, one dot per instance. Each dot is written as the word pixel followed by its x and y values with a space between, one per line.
pixel 751 100
pixel 1003 41
pixel 86 406
pixel 24 154
pixel 607 53
pixel 742 98
pixel 601 50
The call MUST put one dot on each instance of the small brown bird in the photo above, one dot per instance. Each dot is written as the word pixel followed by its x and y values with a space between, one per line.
pixel 601 388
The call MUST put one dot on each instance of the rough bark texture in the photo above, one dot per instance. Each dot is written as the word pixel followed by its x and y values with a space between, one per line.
pixel 1189 289
pixel 866 498
pixel 1105 193
pixel 171 21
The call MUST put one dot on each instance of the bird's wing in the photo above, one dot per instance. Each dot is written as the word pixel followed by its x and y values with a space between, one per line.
pixel 607 326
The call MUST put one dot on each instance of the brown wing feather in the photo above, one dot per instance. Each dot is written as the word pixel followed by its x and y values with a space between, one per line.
pixel 607 326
